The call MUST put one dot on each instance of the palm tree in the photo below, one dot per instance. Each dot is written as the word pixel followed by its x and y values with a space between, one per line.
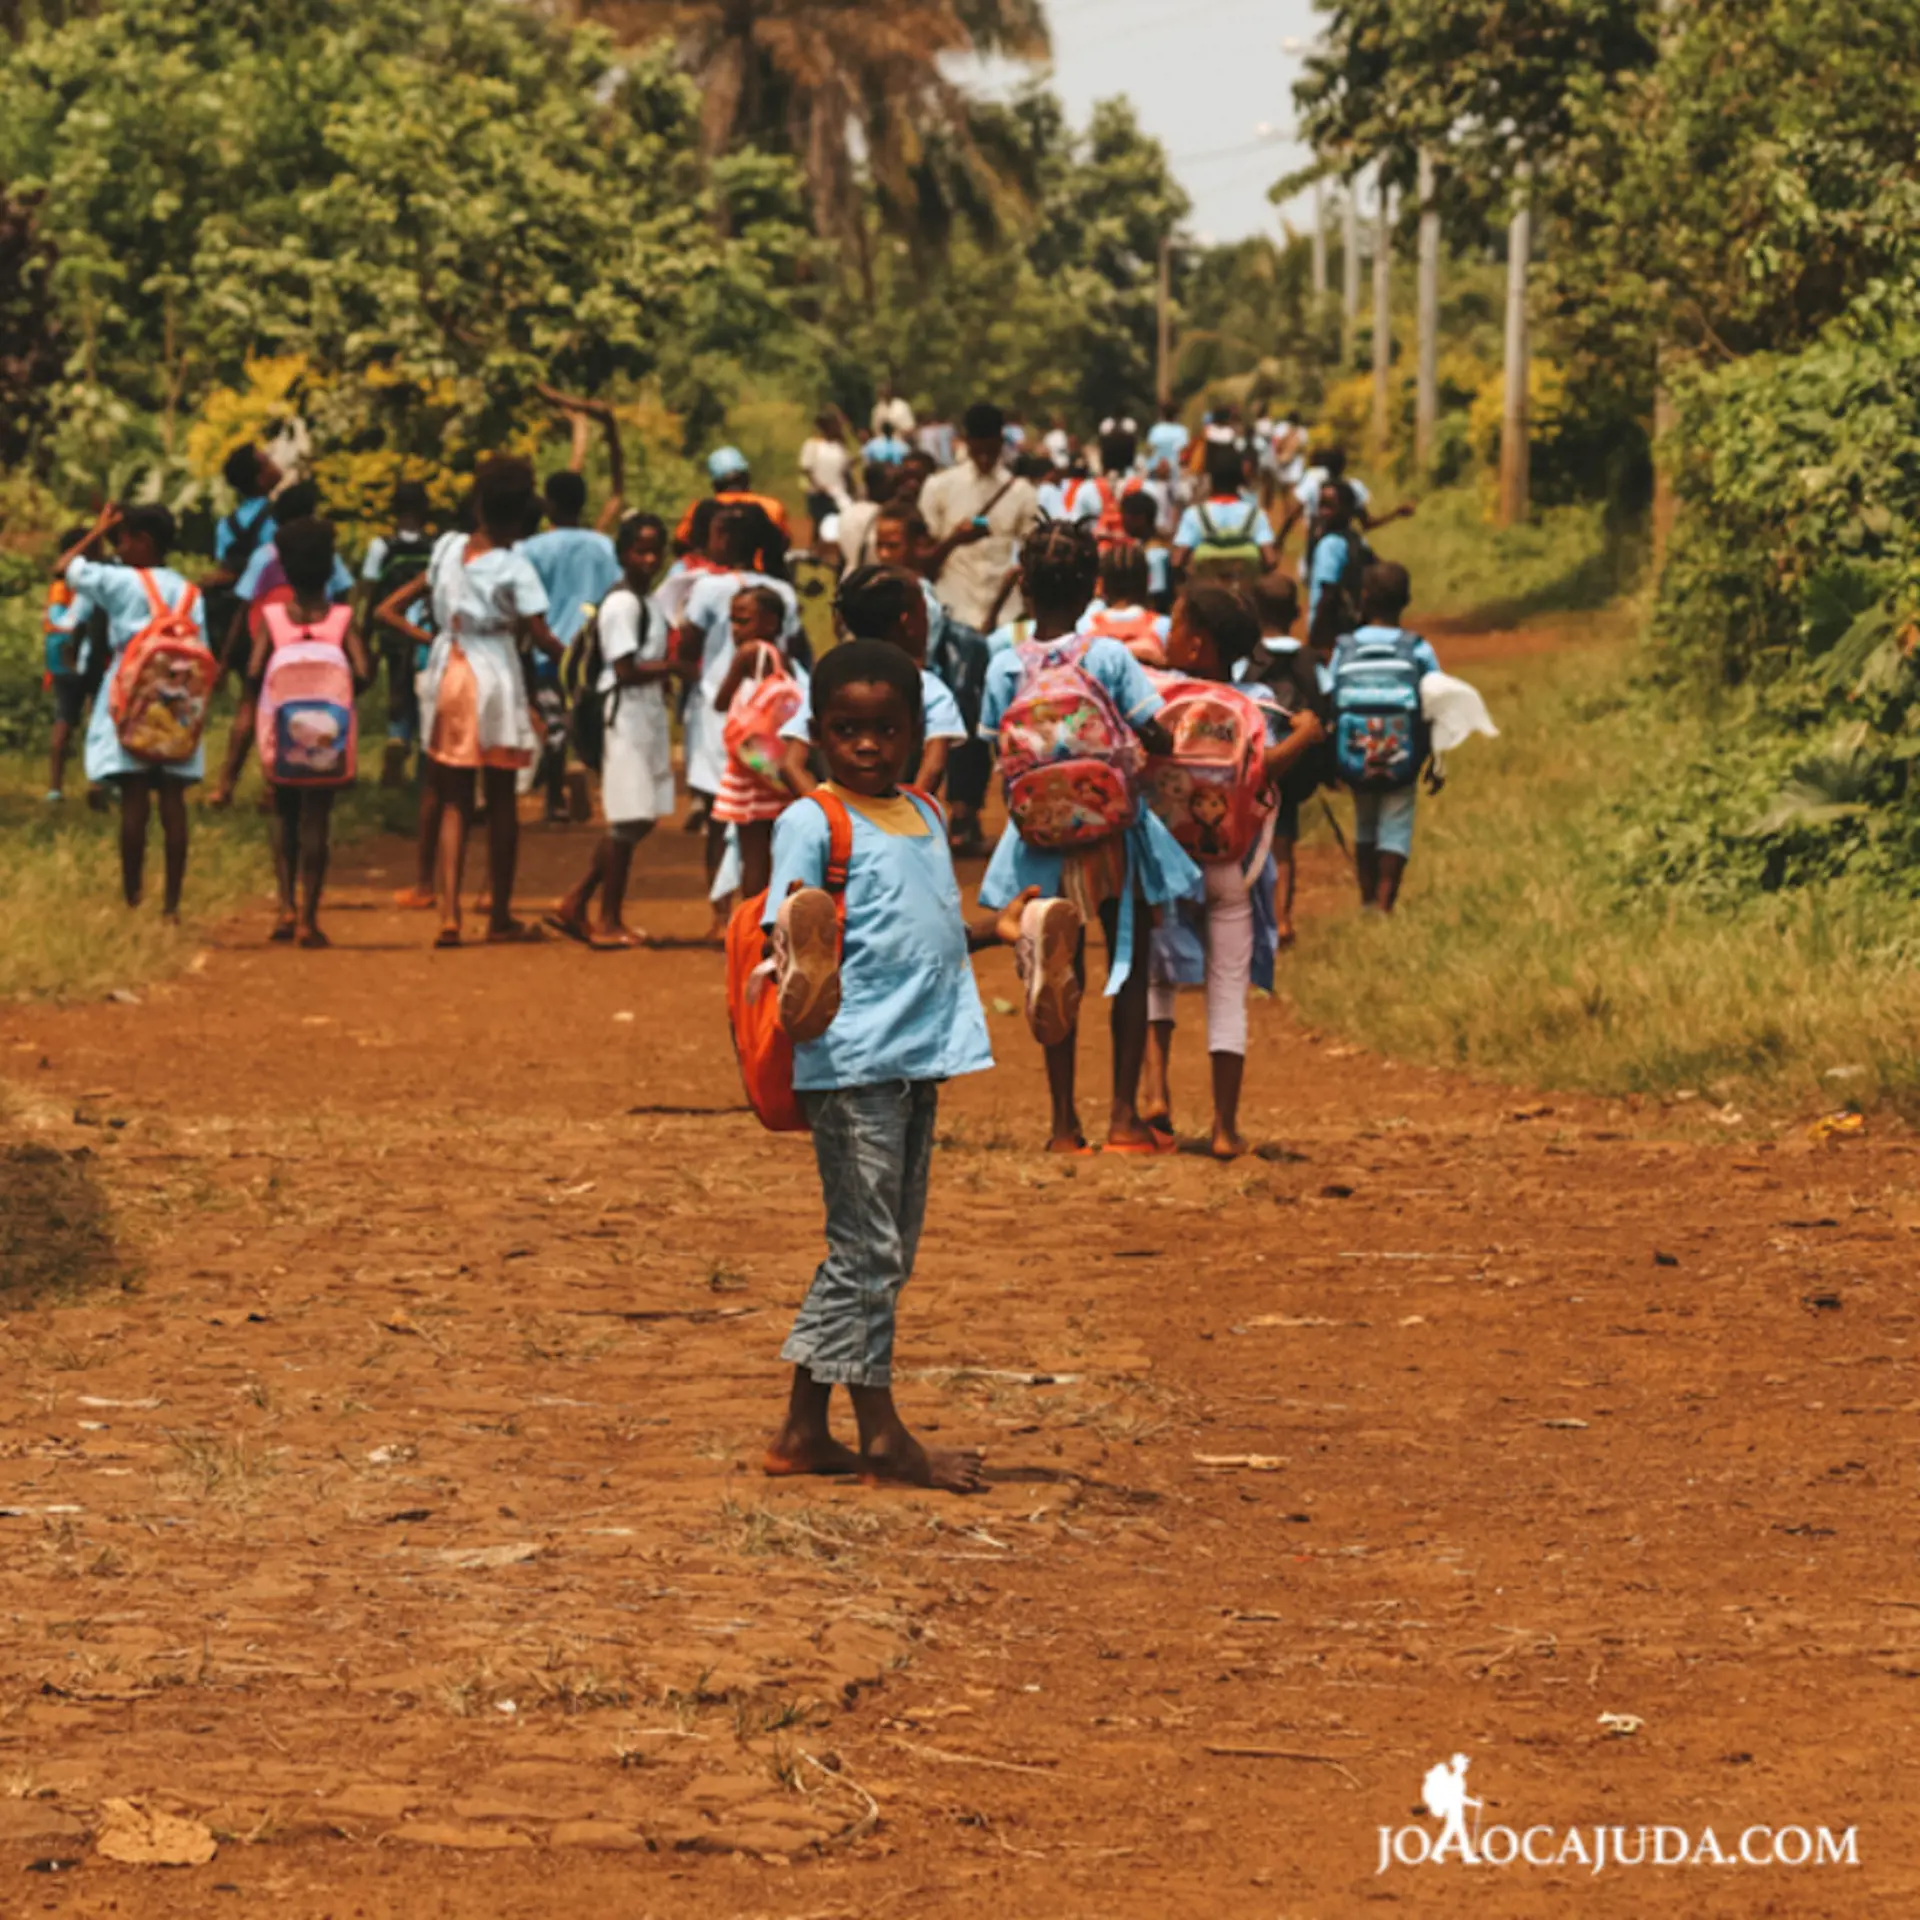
pixel 839 83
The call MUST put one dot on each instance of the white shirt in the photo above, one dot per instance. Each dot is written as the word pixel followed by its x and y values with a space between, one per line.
pixel 624 635
pixel 970 581
pixel 824 464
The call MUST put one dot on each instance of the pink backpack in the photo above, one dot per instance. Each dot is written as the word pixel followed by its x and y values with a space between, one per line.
pixel 157 698
pixel 1212 790
pixel 756 715
pixel 308 730
pixel 1069 759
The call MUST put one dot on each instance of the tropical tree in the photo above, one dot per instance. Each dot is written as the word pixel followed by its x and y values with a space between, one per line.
pixel 858 93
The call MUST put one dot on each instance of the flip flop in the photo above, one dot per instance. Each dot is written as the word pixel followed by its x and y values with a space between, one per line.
pixel 624 941
pixel 414 899
pixel 567 929
pixel 1152 1148
pixel 447 937
pixel 1082 1152
pixel 313 940
pixel 283 932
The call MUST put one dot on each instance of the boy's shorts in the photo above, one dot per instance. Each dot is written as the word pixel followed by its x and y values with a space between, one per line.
pixel 69 697
pixel 1385 820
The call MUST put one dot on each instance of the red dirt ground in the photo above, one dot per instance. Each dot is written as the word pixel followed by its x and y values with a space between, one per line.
pixel 390 1337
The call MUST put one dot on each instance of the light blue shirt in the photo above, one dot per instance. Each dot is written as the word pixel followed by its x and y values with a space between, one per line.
pixel 339 582
pixel 1324 570
pixel 68 625
pixel 578 569
pixel 1231 520
pixel 1424 656
pixel 117 590
pixel 886 449
pixel 248 516
pixel 1167 440
pixel 909 1009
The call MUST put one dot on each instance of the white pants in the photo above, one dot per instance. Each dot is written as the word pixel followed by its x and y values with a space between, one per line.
pixel 1228 933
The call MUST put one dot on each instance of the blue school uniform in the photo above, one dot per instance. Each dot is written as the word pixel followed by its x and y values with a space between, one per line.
pixel 1156 870
pixel 909 1009
pixel 117 590
pixel 251 519
pixel 339 581
pixel 1231 519
pixel 578 569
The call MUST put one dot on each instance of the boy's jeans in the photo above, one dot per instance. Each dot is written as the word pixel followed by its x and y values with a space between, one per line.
pixel 873 1145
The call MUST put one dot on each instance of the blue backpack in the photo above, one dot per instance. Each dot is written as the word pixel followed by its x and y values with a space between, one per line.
pixel 1379 736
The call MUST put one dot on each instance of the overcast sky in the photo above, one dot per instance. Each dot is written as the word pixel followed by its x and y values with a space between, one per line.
pixel 1206 81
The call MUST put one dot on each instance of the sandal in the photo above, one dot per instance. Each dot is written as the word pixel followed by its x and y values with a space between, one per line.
pixel 567 929
pixel 447 937
pixel 284 931
pixel 615 940
pixel 1159 1144
pixel 313 939
pixel 414 899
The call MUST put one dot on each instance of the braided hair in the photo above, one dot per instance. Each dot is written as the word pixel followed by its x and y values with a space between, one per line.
pixel 1123 571
pixel 1060 566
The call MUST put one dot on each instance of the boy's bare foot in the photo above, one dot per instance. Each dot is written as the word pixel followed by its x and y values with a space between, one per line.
pixel 899 1459
pixel 790 1454
pixel 1133 1135
pixel 1228 1145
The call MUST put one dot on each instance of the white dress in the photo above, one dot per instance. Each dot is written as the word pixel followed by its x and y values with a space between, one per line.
pixel 709 613
pixel 636 774
pixel 479 609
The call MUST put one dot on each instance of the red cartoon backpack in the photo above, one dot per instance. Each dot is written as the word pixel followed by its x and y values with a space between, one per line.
pixel 158 696
pixel 1211 790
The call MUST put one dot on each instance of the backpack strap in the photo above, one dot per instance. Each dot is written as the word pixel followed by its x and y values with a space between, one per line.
pixel 839 846
pixel 936 813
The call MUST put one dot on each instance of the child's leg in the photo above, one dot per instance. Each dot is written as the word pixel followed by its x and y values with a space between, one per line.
pixel 1156 1075
pixel 1395 830
pixel 283 830
pixel 613 896
pixel 570 916
pixel 1366 846
pixel 1128 1026
pixel 136 800
pixel 715 853
pixel 173 828
pixel 873 1146
pixel 756 857
pixel 1283 893
pixel 1065 1135
pixel 1229 975
pixel 454 786
pixel 316 820
pixel 503 844
pixel 238 741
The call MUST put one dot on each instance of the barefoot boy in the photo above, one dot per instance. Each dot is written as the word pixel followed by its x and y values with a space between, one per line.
pixel 880 1014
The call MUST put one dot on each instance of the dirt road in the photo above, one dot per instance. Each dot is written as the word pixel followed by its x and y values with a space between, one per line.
pixel 389 1340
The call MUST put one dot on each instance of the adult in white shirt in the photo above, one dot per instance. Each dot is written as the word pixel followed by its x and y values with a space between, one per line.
pixel 892 414
pixel 825 464
pixel 978 514
pixel 636 765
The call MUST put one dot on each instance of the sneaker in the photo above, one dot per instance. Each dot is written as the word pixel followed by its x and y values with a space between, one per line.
pixel 806 963
pixel 1050 932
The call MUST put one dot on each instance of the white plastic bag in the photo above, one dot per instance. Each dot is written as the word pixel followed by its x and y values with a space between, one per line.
pixel 1454 712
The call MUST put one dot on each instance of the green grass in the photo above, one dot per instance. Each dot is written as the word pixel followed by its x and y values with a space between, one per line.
pixel 1466 568
pixel 68 934
pixel 1519 954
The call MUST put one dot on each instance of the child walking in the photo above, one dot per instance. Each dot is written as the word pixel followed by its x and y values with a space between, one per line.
pixel 395 560
pixel 750 801
pixel 1118 881
pixel 1121 612
pixel 64 625
pixel 1380 742
pixel 130 594
pixel 1215 627
pixel 888 603
pixel 636 767
pixel 302 815
pixel 879 1017
pixel 1290 673
pixel 474 714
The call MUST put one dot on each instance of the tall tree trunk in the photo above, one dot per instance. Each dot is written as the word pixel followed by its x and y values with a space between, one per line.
pixel 1163 371
pixel 1350 272
pixel 1426 406
pixel 1319 246
pixel 1383 319
pixel 1514 455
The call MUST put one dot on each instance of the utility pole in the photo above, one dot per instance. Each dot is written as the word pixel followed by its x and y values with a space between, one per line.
pixel 1383 316
pixel 1513 422
pixel 1350 272
pixel 1319 245
pixel 1426 406
pixel 1164 378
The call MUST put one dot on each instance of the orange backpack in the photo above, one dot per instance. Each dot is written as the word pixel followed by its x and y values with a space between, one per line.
pixel 753 1003
pixel 165 677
